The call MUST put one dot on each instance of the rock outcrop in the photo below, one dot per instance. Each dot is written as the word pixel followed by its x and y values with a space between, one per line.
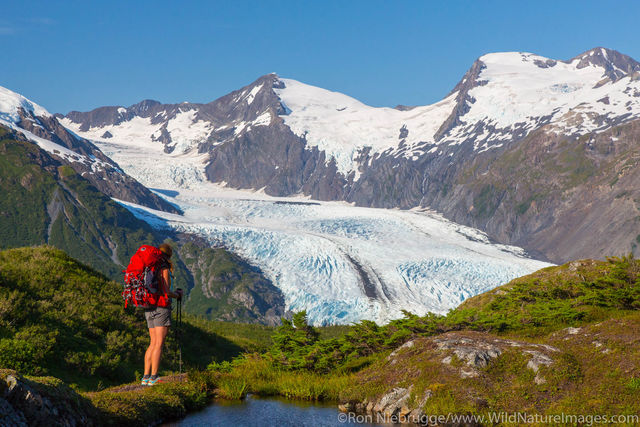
pixel 392 407
pixel 477 352
pixel 227 288
pixel 467 355
pixel 44 403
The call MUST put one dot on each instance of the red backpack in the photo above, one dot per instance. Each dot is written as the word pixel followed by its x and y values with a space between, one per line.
pixel 140 278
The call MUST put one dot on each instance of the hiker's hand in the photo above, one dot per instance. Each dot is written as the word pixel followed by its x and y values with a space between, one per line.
pixel 179 293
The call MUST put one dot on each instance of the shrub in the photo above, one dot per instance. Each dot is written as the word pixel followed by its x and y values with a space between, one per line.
pixel 19 355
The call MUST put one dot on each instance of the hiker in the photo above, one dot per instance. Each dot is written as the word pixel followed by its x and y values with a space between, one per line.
pixel 159 316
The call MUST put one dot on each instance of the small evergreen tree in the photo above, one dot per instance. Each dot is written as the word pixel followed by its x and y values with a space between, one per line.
pixel 293 343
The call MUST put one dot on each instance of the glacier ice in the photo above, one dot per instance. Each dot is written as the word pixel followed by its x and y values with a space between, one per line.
pixel 343 263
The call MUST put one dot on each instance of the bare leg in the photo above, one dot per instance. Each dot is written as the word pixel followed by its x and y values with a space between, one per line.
pixel 147 354
pixel 156 352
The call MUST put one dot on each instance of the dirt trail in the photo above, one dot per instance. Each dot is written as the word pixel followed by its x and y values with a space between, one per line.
pixel 179 378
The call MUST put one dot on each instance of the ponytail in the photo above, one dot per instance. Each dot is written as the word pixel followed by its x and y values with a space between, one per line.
pixel 165 248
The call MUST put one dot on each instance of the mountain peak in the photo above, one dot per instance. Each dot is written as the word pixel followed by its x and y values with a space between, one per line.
pixel 272 79
pixel 11 102
pixel 145 104
pixel 616 64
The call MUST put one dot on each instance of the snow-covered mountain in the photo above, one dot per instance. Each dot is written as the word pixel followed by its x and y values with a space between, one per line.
pixel 503 97
pixel 42 128
pixel 289 138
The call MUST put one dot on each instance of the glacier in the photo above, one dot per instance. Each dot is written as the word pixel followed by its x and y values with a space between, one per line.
pixel 342 263
pixel 339 262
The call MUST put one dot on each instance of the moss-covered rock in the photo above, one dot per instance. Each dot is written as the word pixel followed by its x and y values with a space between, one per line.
pixel 44 401
pixel 47 401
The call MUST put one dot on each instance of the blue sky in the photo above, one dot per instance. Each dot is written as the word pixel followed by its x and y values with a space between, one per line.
pixel 78 55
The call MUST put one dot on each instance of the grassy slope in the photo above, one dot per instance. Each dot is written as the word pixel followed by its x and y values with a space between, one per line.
pixel 62 318
pixel 572 294
pixel 52 301
pixel 594 371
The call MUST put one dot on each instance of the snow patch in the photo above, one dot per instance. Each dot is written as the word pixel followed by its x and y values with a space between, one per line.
pixel 263 119
pixel 342 126
pixel 252 94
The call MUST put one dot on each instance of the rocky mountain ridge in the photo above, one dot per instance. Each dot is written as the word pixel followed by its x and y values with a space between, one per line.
pixel 40 127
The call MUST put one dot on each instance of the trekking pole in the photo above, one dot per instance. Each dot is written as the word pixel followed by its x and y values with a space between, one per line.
pixel 179 333
pixel 175 341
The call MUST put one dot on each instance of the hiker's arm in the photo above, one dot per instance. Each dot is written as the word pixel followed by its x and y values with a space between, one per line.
pixel 167 280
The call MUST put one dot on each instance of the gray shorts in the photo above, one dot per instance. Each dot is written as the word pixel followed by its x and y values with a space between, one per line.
pixel 158 316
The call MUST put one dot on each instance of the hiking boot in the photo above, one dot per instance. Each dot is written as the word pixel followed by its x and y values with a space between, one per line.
pixel 153 381
pixel 145 381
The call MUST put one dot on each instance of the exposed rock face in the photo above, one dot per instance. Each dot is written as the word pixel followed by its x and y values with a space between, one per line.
pixel 392 357
pixel 392 407
pixel 474 354
pixel 537 360
pixel 591 193
pixel 114 115
pixel 282 167
pixel 477 351
pixel 616 64
pixel 463 99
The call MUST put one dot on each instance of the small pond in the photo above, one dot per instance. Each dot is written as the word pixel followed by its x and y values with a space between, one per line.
pixel 259 412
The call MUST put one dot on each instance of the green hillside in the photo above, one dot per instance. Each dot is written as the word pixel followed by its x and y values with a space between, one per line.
pixel 46 202
pixel 59 317
pixel 562 340
pixel 573 294
pixel 228 288
pixel 62 320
